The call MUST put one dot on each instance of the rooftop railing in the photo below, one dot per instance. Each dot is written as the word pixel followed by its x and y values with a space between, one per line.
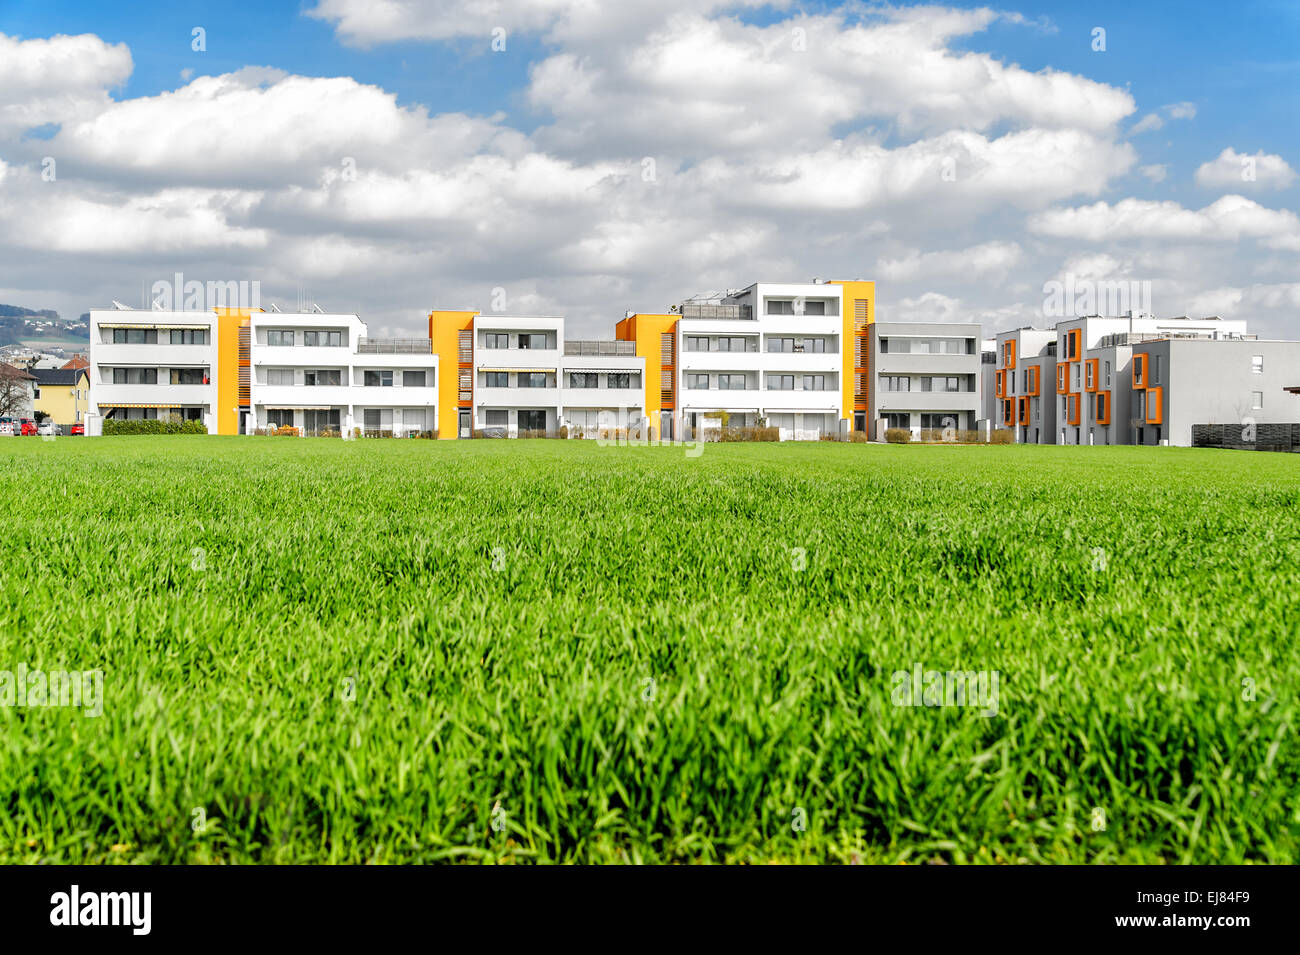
pixel 689 310
pixel 599 347
pixel 394 346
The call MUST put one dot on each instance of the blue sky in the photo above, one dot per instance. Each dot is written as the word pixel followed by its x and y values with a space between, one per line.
pixel 1209 78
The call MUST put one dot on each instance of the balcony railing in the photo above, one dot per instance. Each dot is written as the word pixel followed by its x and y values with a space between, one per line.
pixel 394 346
pixel 716 311
pixel 600 347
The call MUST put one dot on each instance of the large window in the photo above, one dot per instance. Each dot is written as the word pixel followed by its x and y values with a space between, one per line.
pixel 135 376
pixel 322 376
pixel 898 419
pixel 532 340
pixel 329 338
pixel 279 418
pixel 378 419
pixel 814 382
pixel 496 419
pixel 496 340
pixel 699 382
pixel 413 379
pixel 731 344
pixel 532 420
pixel 619 380
pixel 135 336
pixel 927 346
pixel 188 376
pixel 697 343
pixel 279 336
pixel 731 382
pixel 279 376
pixel 382 378
pixel 945 383
pixel 780 344
pixel 532 379
pixel 496 379
pixel 189 336
pixel 1257 364
pixel 780 382
pixel 780 307
pixel 814 308
pixel 814 344
pixel 895 382
pixel 584 379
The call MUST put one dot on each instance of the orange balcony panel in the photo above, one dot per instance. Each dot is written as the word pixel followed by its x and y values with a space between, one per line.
pixel 1024 411
pixel 1103 407
pixel 1140 371
pixel 1155 406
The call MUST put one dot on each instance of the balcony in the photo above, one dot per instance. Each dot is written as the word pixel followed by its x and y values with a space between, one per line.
pixel 161 356
pixel 719 312
pixel 340 396
pixel 171 395
pixel 517 358
pixel 601 397
pixel 518 397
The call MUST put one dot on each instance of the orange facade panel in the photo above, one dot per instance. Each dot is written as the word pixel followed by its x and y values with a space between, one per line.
pixel 1062 378
pixel 1000 382
pixel 1103 407
pixel 1032 385
pixel 1140 371
pixel 1091 371
pixel 1074 409
pixel 1155 406
pixel 1009 353
pixel 1024 411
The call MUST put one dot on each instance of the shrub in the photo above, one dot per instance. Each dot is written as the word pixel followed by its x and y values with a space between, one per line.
pixel 1002 436
pixel 898 435
pixel 153 426
pixel 285 431
pixel 750 434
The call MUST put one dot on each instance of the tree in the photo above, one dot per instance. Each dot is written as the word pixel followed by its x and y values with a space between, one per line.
pixel 15 390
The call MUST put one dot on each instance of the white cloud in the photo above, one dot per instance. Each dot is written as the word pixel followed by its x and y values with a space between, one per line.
pixel 988 259
pixel 1234 170
pixel 57 80
pixel 1156 172
pixel 1226 220
pixel 1147 123
pixel 1184 110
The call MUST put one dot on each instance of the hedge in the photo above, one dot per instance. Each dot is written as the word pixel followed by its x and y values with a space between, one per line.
pixel 153 426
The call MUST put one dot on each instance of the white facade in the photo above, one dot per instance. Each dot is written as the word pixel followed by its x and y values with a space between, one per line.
pixel 528 379
pixel 150 363
pixel 772 352
pixel 320 373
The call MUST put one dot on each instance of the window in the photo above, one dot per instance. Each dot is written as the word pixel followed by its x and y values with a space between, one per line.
pixel 899 419
pixel 896 382
pixel 1257 364
pixel 1257 400
pixel 187 376
pixel 327 376
pixel 279 417
pixel 532 379
pixel 413 379
pixel 189 336
pixel 697 343
pixel 1155 369
pixel 780 307
pixel 378 379
pixel 780 344
pixel 814 344
pixel 496 340
pixel 1077 375
pixel 814 382
pixel 732 344
pixel 497 379
pixel 620 380
pixel 498 419
pixel 1107 375
pixel 279 336
pixel 731 382
pixel 135 376
pixel 135 336
pixel 584 379
pixel 533 340
pixel 378 419
pixel 332 339
pixel 279 376
pixel 698 381
pixel 780 382
pixel 532 420
pixel 814 308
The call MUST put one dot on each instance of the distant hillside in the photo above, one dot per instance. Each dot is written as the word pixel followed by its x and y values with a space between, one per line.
pixel 18 324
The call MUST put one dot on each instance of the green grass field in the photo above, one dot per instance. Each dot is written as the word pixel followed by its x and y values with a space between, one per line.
pixel 388 651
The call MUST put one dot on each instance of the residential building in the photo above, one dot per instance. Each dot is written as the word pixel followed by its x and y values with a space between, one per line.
pixel 62 393
pixel 925 377
pixel 17 391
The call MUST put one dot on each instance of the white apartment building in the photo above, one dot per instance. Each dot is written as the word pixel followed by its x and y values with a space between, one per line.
pixel 322 374
pixel 152 364
pixel 770 352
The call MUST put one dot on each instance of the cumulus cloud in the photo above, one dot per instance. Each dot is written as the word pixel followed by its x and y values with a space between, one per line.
pixel 986 259
pixel 1225 220
pixel 57 80
pixel 1234 170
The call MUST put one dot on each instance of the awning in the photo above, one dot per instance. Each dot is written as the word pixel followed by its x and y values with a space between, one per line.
pixel 571 370
pixel 521 370
pixel 138 404
pixel 149 325
pixel 299 407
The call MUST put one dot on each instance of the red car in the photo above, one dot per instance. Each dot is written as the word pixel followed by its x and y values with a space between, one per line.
pixel 77 429
pixel 28 426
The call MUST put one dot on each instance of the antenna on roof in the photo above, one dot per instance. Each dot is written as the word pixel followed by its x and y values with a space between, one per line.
pixel 120 307
pixel 274 307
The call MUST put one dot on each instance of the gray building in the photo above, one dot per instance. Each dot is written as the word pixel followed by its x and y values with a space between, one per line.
pixel 924 376
pixel 1177 383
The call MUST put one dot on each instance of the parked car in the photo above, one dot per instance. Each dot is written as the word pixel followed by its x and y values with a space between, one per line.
pixel 27 426
pixel 6 427
pixel 47 428
pixel 77 429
